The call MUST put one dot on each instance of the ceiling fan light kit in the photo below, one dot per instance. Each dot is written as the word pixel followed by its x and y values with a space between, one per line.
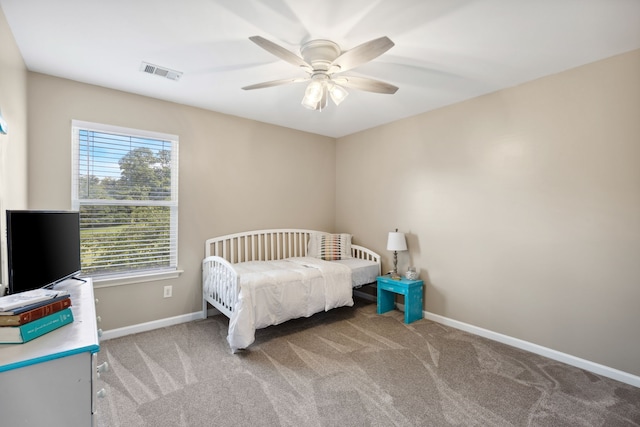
pixel 323 61
pixel 338 93
pixel 315 96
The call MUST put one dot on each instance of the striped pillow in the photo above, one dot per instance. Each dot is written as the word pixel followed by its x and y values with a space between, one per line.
pixel 330 247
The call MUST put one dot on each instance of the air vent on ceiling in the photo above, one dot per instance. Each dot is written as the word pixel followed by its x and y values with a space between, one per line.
pixel 160 71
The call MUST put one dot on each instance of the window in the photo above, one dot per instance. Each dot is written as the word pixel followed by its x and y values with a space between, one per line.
pixel 125 185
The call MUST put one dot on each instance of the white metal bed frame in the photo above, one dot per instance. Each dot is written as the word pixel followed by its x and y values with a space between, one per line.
pixel 220 280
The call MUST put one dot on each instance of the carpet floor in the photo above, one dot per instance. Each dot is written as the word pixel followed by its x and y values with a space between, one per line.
pixel 348 367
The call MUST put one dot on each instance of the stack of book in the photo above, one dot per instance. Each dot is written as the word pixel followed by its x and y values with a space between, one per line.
pixel 28 315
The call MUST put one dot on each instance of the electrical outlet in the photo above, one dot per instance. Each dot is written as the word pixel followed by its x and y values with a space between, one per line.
pixel 168 291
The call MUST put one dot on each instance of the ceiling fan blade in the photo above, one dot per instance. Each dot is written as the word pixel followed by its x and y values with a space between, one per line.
pixel 361 54
pixel 275 83
pixel 366 84
pixel 281 52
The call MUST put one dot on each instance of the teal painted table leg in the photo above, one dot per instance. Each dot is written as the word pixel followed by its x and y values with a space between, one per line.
pixel 413 305
pixel 386 301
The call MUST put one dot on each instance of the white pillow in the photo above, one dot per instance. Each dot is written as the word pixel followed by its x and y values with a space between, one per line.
pixel 329 247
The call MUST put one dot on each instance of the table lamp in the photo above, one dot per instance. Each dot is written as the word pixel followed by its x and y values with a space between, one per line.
pixel 396 242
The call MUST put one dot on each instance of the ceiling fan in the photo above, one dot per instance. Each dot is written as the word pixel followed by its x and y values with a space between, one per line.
pixel 324 61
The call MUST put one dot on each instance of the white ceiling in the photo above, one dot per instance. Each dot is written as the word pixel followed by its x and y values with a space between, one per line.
pixel 445 51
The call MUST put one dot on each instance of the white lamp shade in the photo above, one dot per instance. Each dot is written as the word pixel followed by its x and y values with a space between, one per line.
pixel 396 242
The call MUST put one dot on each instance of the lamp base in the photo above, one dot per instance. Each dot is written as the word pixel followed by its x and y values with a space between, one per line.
pixel 394 272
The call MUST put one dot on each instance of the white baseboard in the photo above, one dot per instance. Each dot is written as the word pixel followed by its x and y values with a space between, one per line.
pixel 587 365
pixel 149 326
pixel 364 295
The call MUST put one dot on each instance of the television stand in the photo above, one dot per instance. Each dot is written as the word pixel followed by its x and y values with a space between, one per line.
pixel 52 380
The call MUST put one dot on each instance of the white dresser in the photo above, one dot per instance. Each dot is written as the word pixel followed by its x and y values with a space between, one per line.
pixel 51 381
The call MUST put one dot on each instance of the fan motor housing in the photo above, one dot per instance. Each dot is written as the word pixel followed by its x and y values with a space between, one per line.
pixel 320 53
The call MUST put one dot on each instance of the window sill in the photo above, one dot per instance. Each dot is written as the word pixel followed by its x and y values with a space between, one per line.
pixel 106 282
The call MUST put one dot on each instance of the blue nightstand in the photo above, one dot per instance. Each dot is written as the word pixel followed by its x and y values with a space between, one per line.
pixel 412 291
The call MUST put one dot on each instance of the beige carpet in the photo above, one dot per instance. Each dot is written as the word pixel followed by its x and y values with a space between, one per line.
pixel 348 367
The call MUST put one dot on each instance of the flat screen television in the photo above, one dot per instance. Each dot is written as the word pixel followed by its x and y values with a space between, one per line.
pixel 43 248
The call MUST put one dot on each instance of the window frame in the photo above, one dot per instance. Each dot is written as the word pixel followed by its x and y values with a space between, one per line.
pixel 130 276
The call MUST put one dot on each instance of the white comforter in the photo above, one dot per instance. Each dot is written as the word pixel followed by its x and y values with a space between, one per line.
pixel 272 292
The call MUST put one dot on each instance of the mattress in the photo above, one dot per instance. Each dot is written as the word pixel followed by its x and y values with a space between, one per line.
pixel 272 292
pixel 363 271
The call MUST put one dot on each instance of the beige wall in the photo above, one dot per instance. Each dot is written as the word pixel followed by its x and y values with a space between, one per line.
pixel 522 208
pixel 235 175
pixel 13 145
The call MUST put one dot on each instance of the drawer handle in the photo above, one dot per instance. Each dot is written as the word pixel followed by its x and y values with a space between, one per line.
pixel 103 367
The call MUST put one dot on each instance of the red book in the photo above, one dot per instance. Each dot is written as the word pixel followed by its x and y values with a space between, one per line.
pixel 36 313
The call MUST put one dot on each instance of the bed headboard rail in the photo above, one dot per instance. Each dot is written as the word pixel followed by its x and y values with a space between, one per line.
pixel 260 245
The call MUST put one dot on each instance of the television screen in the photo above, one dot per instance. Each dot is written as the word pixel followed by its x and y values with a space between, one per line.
pixel 43 248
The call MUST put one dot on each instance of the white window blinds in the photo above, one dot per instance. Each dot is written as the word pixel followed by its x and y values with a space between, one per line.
pixel 125 185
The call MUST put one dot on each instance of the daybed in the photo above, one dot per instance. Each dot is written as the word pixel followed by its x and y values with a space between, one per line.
pixel 266 277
